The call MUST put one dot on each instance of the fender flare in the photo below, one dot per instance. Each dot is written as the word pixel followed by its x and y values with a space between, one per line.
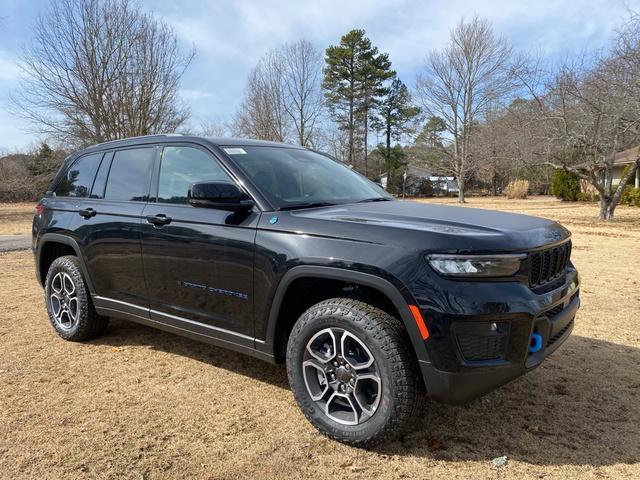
pixel 66 240
pixel 366 279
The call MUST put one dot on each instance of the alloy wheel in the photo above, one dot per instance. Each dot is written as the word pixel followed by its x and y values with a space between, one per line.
pixel 341 376
pixel 64 301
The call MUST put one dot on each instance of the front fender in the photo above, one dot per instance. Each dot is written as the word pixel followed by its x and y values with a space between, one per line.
pixel 393 292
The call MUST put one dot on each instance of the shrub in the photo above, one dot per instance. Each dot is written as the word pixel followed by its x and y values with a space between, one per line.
pixel 517 189
pixel 565 185
pixel 588 197
pixel 631 196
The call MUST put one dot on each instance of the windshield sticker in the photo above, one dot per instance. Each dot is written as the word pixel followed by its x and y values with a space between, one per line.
pixel 235 151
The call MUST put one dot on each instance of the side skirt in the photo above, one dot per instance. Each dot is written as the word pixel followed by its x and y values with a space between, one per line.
pixel 108 307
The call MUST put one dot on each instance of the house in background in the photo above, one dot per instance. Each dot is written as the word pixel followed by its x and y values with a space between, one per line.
pixel 421 182
pixel 621 160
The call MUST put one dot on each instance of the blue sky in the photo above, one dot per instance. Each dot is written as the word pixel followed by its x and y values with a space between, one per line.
pixel 230 36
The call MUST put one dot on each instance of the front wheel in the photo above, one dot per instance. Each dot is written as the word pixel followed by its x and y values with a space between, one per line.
pixel 352 373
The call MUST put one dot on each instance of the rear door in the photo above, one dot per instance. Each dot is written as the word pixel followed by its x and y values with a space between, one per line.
pixel 71 195
pixel 198 262
pixel 109 228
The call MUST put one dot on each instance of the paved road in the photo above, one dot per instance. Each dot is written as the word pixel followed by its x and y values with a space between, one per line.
pixel 9 243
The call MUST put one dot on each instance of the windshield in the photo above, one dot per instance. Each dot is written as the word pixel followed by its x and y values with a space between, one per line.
pixel 293 178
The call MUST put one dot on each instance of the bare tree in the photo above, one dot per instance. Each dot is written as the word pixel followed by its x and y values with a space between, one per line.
pixel 262 113
pixel 588 111
pixel 588 116
pixel 283 99
pixel 471 75
pixel 303 99
pixel 333 140
pixel 99 70
pixel 213 129
pixel 506 147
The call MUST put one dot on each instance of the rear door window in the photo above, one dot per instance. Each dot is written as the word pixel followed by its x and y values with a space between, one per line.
pixel 101 177
pixel 78 180
pixel 130 174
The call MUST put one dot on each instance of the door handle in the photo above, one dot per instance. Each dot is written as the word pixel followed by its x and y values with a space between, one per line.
pixel 87 212
pixel 159 220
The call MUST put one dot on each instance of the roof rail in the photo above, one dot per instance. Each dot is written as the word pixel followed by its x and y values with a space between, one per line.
pixel 142 136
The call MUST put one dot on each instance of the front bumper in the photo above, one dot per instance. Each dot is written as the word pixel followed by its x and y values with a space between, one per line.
pixel 451 376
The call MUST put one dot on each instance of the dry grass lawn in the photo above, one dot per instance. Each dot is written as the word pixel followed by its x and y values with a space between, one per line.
pixel 139 403
pixel 15 218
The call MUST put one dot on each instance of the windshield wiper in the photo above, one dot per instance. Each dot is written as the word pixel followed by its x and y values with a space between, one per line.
pixel 375 199
pixel 298 206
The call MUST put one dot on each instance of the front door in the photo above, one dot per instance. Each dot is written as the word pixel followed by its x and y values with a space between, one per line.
pixel 198 262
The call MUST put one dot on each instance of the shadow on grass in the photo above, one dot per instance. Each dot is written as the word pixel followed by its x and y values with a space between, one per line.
pixel 581 407
pixel 123 333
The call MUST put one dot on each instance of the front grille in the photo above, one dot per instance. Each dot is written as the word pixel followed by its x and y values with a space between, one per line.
pixel 482 347
pixel 557 336
pixel 552 312
pixel 549 265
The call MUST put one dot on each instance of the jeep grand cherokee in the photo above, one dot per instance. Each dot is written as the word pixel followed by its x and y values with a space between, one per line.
pixel 290 256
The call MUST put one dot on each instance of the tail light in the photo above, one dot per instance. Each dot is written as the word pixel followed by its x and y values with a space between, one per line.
pixel 39 209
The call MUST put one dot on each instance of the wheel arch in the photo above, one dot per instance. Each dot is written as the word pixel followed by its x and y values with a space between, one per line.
pixel 54 245
pixel 276 324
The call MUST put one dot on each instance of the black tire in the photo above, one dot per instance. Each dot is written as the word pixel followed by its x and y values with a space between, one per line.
pixel 86 323
pixel 401 390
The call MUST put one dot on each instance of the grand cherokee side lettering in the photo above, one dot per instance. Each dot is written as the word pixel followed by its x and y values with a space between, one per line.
pixel 219 291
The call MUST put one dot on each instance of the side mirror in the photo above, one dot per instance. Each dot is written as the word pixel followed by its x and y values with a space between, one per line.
pixel 220 195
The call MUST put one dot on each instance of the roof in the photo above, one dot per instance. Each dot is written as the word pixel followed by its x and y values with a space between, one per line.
pixel 415 171
pixel 627 156
pixel 418 172
pixel 173 137
pixel 246 142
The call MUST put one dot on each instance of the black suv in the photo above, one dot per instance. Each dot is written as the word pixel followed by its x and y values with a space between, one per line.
pixel 288 255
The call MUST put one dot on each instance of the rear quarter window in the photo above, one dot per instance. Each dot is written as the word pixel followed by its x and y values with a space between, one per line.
pixel 77 181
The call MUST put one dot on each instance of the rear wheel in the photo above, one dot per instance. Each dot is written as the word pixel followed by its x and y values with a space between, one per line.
pixel 351 371
pixel 69 304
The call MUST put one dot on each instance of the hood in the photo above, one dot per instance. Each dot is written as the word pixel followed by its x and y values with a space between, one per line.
pixel 427 226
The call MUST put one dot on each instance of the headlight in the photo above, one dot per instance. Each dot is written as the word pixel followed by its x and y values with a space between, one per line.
pixel 476 265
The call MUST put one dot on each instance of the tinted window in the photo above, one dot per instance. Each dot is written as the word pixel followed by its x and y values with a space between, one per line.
pixel 79 178
pixel 130 174
pixel 182 166
pixel 101 177
pixel 290 177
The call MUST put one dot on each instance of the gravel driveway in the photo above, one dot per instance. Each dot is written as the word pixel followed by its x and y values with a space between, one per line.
pixel 9 243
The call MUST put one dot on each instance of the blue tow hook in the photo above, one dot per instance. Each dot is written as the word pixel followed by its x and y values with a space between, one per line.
pixel 536 343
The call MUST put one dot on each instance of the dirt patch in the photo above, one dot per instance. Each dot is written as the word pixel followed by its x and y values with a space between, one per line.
pixel 140 403
pixel 16 218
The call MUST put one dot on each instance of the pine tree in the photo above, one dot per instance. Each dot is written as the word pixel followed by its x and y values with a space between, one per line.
pixel 353 81
pixel 42 162
pixel 431 134
pixel 395 113
pixel 375 69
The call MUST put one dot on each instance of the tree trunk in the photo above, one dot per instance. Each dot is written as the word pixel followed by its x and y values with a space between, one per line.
pixel 606 208
pixel 608 203
pixel 461 188
pixel 388 159
pixel 366 138
pixel 351 126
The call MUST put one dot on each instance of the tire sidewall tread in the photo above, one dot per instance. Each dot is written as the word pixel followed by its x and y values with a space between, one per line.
pixel 387 339
pixel 89 324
